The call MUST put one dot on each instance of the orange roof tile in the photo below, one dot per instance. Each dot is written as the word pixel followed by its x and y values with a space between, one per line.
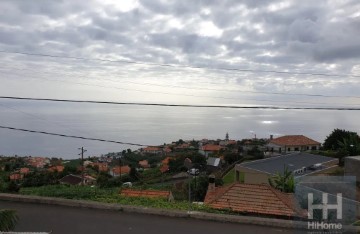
pixel 166 160
pixel 144 163
pixel 231 142
pixel 211 147
pixel 164 168
pixel 151 148
pixel 124 170
pixel 252 198
pixel 145 193
pixel 56 168
pixel 101 166
pixel 24 170
pixel 16 176
pixel 294 140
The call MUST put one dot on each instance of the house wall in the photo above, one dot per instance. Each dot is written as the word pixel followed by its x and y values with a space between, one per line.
pixel 286 149
pixel 250 176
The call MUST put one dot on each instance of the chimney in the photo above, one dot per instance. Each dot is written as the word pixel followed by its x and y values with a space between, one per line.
pixel 211 183
pixel 271 137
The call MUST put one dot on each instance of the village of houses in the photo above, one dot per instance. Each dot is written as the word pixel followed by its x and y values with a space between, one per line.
pixel 244 166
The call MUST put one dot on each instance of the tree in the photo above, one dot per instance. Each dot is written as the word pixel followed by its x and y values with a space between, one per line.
pixel 256 152
pixel 8 220
pixel 284 182
pixel 348 147
pixel 333 141
pixel 231 157
pixel 103 179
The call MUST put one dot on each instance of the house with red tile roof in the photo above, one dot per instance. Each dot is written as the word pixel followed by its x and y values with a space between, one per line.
pixel 16 176
pixel 152 150
pixel 38 162
pixel 148 194
pixel 101 166
pixel 56 168
pixel 292 143
pixel 253 199
pixel 24 170
pixel 208 149
pixel 167 150
pixel 144 164
pixel 164 168
pixel 116 171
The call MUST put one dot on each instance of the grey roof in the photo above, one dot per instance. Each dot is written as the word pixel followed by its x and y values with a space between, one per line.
pixel 213 162
pixel 293 162
pixel 71 179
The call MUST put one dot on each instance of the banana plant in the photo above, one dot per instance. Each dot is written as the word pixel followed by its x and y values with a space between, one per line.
pixel 284 182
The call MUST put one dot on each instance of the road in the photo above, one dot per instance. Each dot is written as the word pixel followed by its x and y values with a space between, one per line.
pixel 59 219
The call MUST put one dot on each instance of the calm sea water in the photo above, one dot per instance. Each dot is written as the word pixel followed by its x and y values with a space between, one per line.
pixel 150 125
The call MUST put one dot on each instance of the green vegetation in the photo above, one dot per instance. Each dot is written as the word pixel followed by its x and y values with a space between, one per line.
pixel 107 196
pixel 229 177
pixel 284 182
pixel 8 220
pixel 333 141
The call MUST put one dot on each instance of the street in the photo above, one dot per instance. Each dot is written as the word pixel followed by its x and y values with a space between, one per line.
pixel 59 219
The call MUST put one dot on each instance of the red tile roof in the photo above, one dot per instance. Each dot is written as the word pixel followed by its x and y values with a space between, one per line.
pixel 16 176
pixel 56 168
pixel 152 149
pixel 101 166
pixel 166 160
pixel 145 193
pixel 24 170
pixel 294 140
pixel 252 198
pixel 231 142
pixel 124 170
pixel 144 163
pixel 164 168
pixel 211 147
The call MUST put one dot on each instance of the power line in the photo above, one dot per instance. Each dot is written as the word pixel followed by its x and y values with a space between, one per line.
pixel 178 65
pixel 182 105
pixel 197 88
pixel 39 117
pixel 174 94
pixel 73 136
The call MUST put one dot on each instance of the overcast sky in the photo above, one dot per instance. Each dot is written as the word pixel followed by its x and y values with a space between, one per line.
pixel 286 36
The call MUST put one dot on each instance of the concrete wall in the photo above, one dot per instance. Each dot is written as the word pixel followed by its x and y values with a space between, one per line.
pixel 352 167
pixel 250 176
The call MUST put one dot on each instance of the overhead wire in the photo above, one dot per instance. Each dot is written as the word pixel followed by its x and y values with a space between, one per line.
pixel 74 136
pixel 177 65
pixel 183 94
pixel 178 94
pixel 180 105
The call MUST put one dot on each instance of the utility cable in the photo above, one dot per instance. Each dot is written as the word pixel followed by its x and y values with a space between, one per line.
pixel 178 65
pixel 182 105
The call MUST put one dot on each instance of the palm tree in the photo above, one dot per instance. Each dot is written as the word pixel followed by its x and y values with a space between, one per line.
pixel 284 182
pixel 8 220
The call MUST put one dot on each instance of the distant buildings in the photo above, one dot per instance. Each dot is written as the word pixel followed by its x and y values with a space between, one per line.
pixel 292 143
pixel 208 149
pixel 152 150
